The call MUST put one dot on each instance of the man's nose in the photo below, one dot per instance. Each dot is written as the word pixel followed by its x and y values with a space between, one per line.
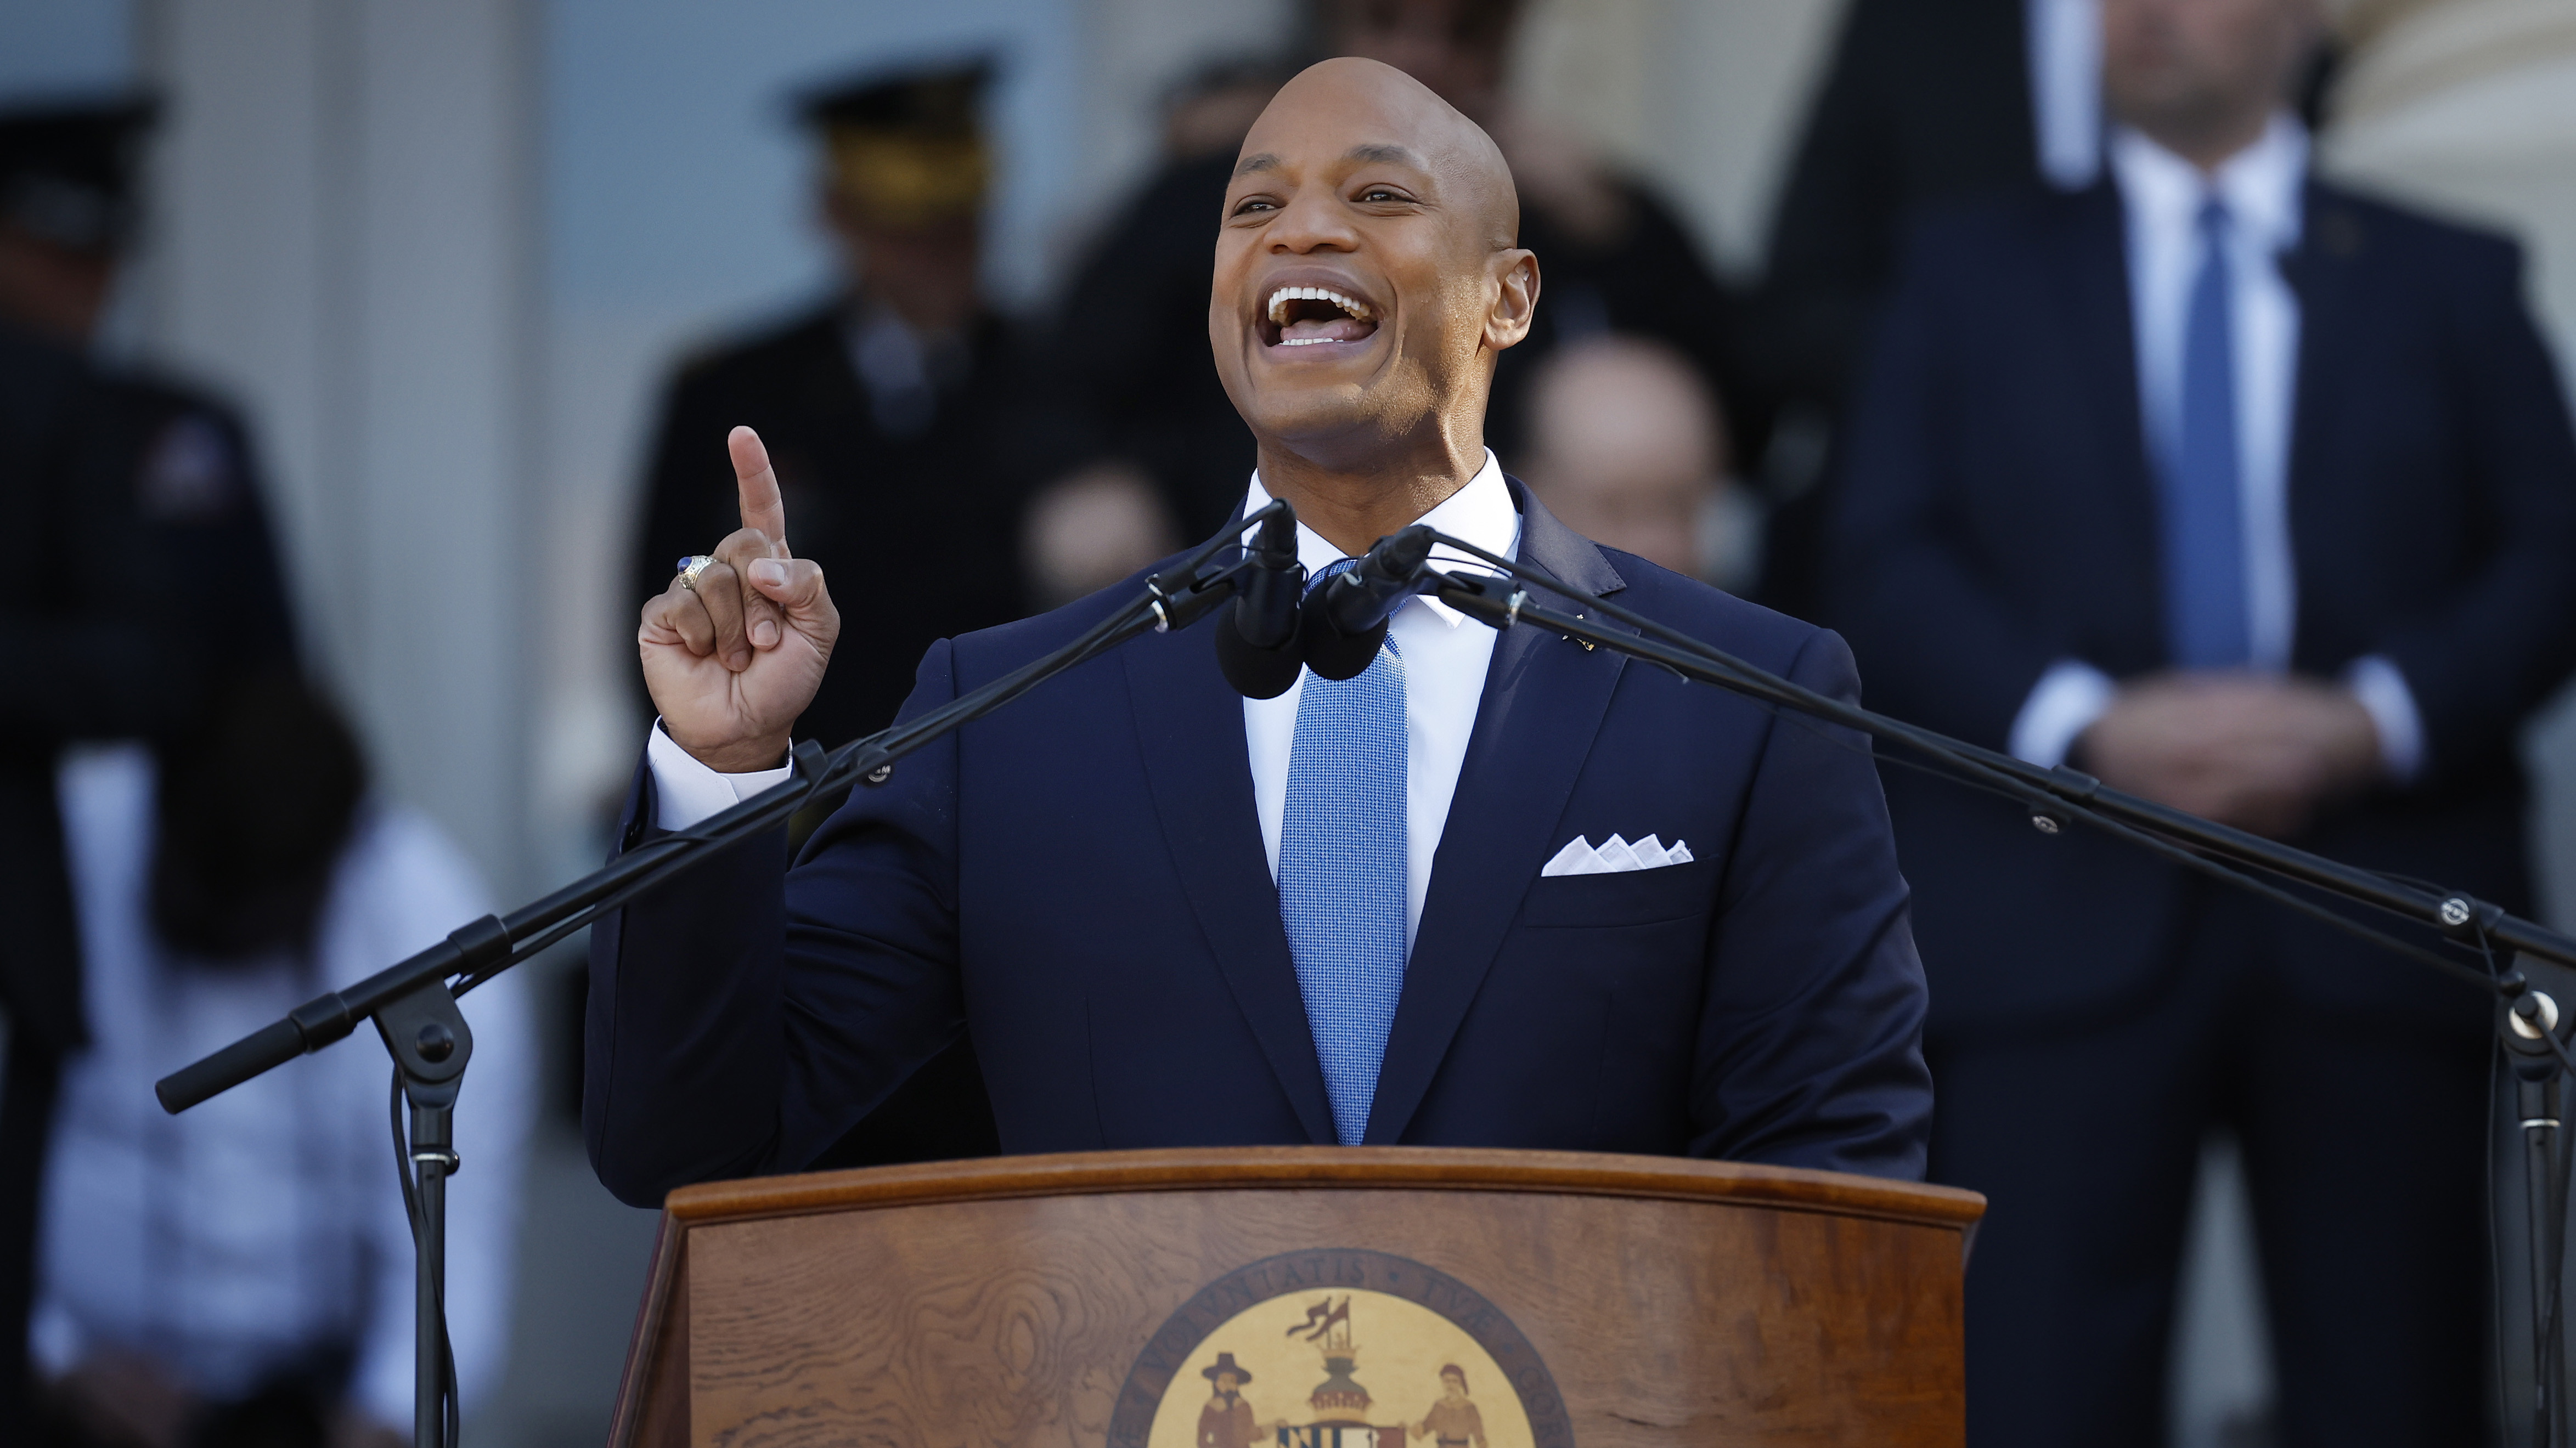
pixel 1313 220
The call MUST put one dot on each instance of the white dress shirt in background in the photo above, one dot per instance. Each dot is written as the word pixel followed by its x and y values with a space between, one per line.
pixel 2064 40
pixel 2161 196
pixel 2263 188
pixel 235 1240
pixel 1445 657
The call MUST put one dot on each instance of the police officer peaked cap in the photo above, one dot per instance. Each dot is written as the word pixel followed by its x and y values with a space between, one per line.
pixel 67 169
pixel 906 147
pixel 944 100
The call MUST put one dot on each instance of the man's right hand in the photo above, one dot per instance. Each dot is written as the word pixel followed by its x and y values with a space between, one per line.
pixel 732 662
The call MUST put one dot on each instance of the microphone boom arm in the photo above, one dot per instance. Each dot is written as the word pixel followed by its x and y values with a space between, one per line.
pixel 2056 796
pixel 1173 599
pixel 2530 1027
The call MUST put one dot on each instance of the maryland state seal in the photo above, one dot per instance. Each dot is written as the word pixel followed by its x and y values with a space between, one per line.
pixel 1339 1348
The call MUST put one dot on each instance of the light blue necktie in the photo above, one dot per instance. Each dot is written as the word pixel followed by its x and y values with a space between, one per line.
pixel 2207 622
pixel 1342 871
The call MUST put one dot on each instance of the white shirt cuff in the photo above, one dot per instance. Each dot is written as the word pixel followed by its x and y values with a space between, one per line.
pixel 54 1338
pixel 686 791
pixel 2063 704
pixel 2384 695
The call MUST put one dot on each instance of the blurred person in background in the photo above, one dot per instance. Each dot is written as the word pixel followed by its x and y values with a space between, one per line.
pixel 1924 103
pixel 881 405
pixel 241 1276
pixel 1091 529
pixel 1629 449
pixel 889 411
pixel 1149 450
pixel 172 588
pixel 1147 446
pixel 1615 257
pixel 2257 498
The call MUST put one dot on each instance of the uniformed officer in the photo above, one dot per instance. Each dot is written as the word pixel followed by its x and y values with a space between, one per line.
pixel 170 588
pixel 893 417
pixel 885 407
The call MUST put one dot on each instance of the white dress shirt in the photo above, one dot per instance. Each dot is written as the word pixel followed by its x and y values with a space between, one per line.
pixel 2064 41
pixel 1445 657
pixel 2262 188
pixel 234 1240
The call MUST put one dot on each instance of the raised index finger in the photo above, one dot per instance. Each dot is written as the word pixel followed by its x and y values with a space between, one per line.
pixel 762 508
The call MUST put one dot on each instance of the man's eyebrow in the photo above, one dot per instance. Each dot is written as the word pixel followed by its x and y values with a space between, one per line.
pixel 1261 161
pixel 1387 152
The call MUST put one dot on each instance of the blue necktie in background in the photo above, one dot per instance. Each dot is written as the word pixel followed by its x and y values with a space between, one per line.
pixel 1342 871
pixel 2207 624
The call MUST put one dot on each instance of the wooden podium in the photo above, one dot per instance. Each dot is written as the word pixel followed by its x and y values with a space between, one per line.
pixel 1306 1296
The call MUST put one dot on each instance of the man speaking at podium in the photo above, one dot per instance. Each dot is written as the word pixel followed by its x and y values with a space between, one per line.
pixel 1403 908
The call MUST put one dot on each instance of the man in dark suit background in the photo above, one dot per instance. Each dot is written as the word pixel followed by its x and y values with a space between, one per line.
pixel 1373 911
pixel 1924 103
pixel 2256 497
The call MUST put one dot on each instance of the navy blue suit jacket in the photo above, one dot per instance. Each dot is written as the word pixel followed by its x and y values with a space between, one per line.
pixel 1079 880
pixel 1998 514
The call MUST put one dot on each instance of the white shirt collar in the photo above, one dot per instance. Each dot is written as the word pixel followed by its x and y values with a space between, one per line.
pixel 2261 184
pixel 1481 513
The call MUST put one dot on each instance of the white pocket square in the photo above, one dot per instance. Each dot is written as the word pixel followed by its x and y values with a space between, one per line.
pixel 1580 857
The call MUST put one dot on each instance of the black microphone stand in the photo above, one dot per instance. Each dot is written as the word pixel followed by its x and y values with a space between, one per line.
pixel 413 1004
pixel 2528 1021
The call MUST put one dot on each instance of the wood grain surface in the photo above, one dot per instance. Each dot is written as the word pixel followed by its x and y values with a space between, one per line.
pixel 1006 1302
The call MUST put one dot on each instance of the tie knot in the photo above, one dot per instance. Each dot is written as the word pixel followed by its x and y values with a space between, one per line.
pixel 2213 220
pixel 1329 572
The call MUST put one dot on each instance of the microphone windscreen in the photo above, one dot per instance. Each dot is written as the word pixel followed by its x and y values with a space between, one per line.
pixel 1257 673
pixel 1333 655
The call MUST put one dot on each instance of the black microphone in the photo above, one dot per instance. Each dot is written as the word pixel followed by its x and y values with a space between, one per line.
pixel 1345 620
pixel 1257 648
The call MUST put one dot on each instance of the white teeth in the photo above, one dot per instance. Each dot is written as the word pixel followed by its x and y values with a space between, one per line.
pixel 1280 299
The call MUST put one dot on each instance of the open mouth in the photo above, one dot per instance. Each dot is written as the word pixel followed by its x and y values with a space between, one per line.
pixel 1307 316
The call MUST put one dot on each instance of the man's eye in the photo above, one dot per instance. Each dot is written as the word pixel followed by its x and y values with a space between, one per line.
pixel 1380 193
pixel 1252 204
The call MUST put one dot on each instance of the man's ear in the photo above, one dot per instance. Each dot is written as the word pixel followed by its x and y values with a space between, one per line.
pixel 1515 298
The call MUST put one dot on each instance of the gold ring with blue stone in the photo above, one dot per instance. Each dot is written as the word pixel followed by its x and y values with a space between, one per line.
pixel 691 567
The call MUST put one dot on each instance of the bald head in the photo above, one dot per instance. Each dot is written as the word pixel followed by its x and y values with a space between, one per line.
pixel 1367 275
pixel 1441 137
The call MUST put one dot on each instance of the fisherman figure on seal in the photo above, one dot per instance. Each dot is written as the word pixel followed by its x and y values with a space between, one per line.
pixel 1226 1421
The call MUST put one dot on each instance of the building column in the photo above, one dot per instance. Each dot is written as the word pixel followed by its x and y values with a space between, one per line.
pixel 344 241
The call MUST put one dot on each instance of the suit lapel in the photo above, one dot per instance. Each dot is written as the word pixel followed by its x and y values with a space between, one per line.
pixel 1543 702
pixel 2110 494
pixel 1197 764
pixel 2322 273
pixel 2099 284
